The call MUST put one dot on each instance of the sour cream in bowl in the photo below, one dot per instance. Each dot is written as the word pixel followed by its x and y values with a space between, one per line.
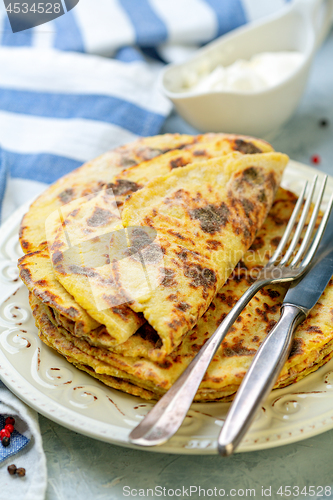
pixel 250 81
pixel 261 72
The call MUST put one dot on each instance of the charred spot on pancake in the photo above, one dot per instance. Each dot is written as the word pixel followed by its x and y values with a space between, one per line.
pixel 200 152
pixel 74 213
pixel 239 273
pixel 183 306
pixel 57 257
pixel 165 364
pixel 248 207
pixel 262 198
pixel 180 194
pixel 278 221
pixel 227 299
pixel 84 271
pixel 24 244
pixel 178 235
pixel 152 254
pixel 211 217
pixel 257 244
pixel 237 349
pixel 42 283
pixel 274 294
pixel 51 299
pixel 212 306
pixel 148 221
pixel 147 333
pixel 193 337
pixel 172 297
pixel 127 162
pixel 178 162
pixel 296 348
pixel 122 311
pixel 262 314
pixel 245 147
pixel 21 230
pixel 149 153
pixel 200 276
pixel 139 238
pixel 247 235
pixel 25 275
pixel 271 181
pixel 251 175
pixel 271 309
pixel 197 197
pixel 315 329
pixel 213 244
pixel 176 323
pixel 123 186
pixel 270 325
pixel 168 277
pixel 71 311
pixel 142 246
pixel 66 196
pixel 275 241
pixel 112 300
pixel 100 217
pixel 183 254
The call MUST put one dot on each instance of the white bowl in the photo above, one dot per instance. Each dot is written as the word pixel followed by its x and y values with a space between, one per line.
pixel 254 113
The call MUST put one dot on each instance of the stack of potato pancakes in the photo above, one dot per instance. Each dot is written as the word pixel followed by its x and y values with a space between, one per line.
pixel 133 260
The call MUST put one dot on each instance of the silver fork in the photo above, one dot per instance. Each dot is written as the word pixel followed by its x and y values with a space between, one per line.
pixel 166 417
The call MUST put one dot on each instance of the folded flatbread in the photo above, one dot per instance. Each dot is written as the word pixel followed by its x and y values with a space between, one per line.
pixel 206 216
pixel 104 170
pixel 81 205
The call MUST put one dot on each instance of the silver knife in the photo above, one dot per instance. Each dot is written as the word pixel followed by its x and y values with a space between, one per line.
pixel 273 352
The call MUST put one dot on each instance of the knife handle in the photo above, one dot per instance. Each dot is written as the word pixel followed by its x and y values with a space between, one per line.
pixel 259 379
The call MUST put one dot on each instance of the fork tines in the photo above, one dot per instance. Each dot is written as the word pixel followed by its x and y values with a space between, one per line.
pixel 306 242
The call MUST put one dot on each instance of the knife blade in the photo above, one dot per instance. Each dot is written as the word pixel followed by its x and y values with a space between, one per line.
pixel 305 293
pixel 273 352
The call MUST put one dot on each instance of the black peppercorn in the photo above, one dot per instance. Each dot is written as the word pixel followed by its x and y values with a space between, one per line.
pixel 12 469
pixel 20 471
pixel 6 441
pixel 323 122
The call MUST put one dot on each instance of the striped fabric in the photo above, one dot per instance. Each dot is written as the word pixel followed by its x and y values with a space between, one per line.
pixel 88 81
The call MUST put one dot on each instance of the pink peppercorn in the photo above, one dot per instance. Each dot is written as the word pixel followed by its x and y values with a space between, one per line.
pixel 315 159
pixel 4 433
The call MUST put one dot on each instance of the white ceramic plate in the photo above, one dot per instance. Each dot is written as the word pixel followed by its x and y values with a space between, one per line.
pixel 47 382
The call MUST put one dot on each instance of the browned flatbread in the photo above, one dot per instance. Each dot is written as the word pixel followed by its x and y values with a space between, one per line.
pixel 206 216
pixel 121 322
pixel 105 170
